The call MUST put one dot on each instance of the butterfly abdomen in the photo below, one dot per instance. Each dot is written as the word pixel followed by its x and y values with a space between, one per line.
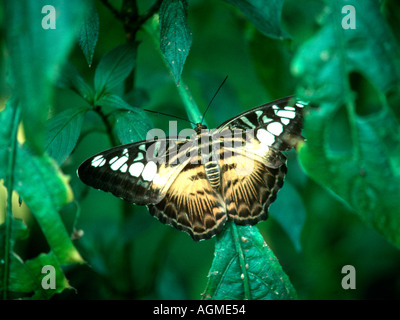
pixel 213 173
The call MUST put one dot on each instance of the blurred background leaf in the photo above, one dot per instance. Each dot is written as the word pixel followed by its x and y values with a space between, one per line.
pixel 34 70
pixel 266 17
pixel 114 67
pixel 355 174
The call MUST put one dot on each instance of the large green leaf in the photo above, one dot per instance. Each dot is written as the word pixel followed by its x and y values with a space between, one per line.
pixel 114 67
pixel 35 55
pixel 44 189
pixel 132 126
pixel 244 267
pixel 324 62
pixel 176 37
pixel 266 16
pixel 366 175
pixel 63 133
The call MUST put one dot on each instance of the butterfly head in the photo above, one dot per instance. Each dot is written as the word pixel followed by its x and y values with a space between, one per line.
pixel 199 127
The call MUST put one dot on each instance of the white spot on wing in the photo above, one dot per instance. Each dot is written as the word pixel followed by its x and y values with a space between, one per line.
pixel 136 169
pixel 139 157
pixel 149 171
pixel 275 128
pixel 288 108
pixel 117 164
pixel 113 160
pixel 98 161
pixel 124 168
pixel 265 119
pixel 265 137
pixel 285 121
pixel 259 113
pixel 285 114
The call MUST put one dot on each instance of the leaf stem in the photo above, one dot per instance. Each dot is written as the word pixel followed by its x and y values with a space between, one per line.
pixel 10 185
pixel 191 107
pixel 107 125
pixel 192 110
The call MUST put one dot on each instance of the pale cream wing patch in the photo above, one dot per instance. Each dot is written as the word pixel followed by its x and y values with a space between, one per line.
pixel 192 205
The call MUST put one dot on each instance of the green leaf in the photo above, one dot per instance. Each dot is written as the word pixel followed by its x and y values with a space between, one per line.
pixel 35 53
pixel 266 16
pixel 114 67
pixel 370 182
pixel 89 34
pixel 324 62
pixel 63 133
pixel 366 176
pixel 69 78
pixel 113 101
pixel 175 37
pixel 35 268
pixel 19 230
pixel 131 123
pixel 44 189
pixel 25 278
pixel 288 210
pixel 132 126
pixel 244 267
pixel 19 278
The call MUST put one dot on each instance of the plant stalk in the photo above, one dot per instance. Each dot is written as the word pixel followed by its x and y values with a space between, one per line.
pixel 10 185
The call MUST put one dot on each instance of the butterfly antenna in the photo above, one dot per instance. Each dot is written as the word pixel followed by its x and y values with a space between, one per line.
pixel 169 115
pixel 215 94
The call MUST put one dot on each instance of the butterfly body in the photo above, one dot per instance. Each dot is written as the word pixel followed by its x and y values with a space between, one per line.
pixel 195 184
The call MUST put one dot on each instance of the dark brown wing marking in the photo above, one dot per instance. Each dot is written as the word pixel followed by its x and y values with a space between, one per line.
pixel 249 194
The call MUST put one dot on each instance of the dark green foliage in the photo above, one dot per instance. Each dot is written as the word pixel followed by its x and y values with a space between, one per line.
pixel 266 16
pixel 175 35
pixel 73 103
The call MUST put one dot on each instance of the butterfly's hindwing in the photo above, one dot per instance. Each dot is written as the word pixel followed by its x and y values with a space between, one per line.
pixel 192 204
pixel 249 193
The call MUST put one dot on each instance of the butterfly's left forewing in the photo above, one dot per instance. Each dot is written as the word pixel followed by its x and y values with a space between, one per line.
pixel 139 172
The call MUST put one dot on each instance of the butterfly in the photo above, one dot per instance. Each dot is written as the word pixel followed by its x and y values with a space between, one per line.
pixel 196 183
